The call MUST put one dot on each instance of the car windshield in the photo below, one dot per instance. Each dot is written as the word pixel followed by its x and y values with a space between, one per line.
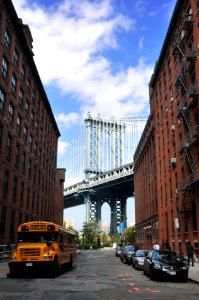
pixel 165 255
pixel 37 237
pixel 119 248
pixel 141 253
pixel 130 248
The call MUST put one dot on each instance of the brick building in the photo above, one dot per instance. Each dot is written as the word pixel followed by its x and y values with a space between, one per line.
pixel 31 187
pixel 167 157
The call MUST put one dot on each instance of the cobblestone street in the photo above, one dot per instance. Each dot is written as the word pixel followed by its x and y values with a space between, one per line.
pixel 95 275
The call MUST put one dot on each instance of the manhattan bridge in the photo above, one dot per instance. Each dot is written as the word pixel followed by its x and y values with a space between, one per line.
pixel 99 167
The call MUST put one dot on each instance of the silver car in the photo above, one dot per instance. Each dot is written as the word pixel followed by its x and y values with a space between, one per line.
pixel 138 259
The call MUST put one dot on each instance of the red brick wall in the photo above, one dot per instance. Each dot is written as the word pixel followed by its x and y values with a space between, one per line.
pixel 176 135
pixel 35 173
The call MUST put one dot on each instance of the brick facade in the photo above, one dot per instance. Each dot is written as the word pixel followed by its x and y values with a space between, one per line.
pixel 30 184
pixel 171 211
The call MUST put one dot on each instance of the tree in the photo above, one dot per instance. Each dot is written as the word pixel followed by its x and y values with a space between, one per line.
pixel 89 232
pixel 129 234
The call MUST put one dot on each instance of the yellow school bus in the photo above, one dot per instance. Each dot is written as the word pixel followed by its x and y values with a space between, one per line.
pixel 43 246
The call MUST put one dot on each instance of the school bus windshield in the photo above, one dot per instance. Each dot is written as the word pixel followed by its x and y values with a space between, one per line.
pixel 37 237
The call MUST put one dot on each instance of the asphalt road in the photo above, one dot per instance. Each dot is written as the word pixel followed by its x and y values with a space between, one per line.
pixel 95 275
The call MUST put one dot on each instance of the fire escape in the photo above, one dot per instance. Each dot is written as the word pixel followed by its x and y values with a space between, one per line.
pixel 190 94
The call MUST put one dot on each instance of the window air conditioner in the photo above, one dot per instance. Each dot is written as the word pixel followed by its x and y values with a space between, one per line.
pixel 172 127
pixel 173 160
pixel 172 99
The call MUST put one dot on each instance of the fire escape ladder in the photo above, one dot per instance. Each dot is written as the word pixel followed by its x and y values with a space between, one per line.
pixel 187 119
pixel 187 200
pixel 190 158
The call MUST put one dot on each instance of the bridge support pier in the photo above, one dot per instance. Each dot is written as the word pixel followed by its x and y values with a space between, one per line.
pixel 118 215
pixel 113 223
pixel 87 202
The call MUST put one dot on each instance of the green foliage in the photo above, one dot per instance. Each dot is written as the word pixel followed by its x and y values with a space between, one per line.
pixel 129 233
pixel 89 233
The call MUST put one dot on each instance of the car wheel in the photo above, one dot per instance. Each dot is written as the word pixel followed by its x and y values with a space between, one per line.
pixel 144 271
pixel 151 274
pixel 185 279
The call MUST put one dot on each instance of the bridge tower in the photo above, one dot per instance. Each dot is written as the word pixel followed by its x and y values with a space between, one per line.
pixel 105 146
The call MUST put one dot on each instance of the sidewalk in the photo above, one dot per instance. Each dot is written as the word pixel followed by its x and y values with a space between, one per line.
pixel 194 272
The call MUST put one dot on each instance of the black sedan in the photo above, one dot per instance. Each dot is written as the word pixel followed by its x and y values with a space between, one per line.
pixel 126 255
pixel 138 258
pixel 165 264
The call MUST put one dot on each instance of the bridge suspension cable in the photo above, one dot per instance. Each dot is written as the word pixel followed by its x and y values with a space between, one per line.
pixel 102 145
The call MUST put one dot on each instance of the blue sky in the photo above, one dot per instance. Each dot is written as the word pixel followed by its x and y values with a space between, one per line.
pixel 95 56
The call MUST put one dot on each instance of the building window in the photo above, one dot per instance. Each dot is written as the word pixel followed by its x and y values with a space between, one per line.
pixel 14 191
pixel 22 72
pixel 1 134
pixel 35 150
pixel 5 182
pixel 7 39
pixel 3 221
pixel 37 127
pixel 197 4
pixel 2 100
pixel 10 113
pixel 28 86
pixel 171 92
pixel 29 169
pixel 164 79
pixel 22 193
pixel 26 110
pixel 8 147
pixel 160 89
pixel 166 103
pixel 24 161
pixel 21 97
pixel 33 97
pixel 17 155
pixel 169 66
pixel 28 199
pixel 32 117
pixel 16 58
pixel 30 143
pixel 13 83
pixel 4 67
pixel 18 125
pixel 25 134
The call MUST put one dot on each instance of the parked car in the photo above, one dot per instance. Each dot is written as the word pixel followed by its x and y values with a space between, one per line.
pixel 138 258
pixel 118 250
pixel 127 254
pixel 121 253
pixel 165 264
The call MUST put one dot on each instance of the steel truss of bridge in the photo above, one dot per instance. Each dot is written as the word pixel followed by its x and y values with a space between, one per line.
pixel 113 187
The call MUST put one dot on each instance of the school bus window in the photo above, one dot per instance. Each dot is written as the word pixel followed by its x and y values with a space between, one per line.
pixel 61 238
pixel 65 239
pixel 37 237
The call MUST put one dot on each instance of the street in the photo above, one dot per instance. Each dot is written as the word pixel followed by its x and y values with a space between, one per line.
pixel 95 275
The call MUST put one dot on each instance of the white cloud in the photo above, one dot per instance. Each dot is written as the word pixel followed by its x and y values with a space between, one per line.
pixel 67 120
pixel 140 7
pixel 62 147
pixel 69 43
